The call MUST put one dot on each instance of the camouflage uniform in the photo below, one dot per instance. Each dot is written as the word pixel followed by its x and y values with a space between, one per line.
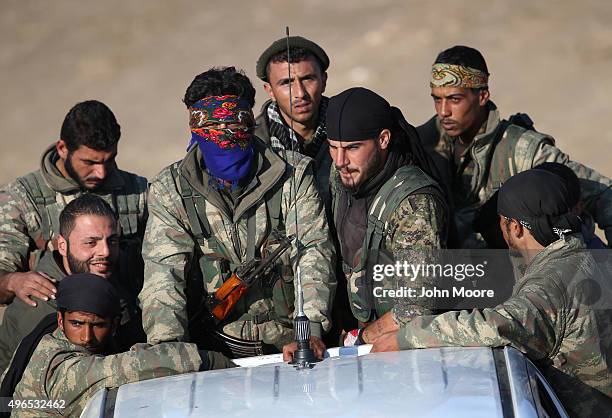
pixel 322 159
pixel 472 176
pixel 548 319
pixel 30 208
pixel 20 319
pixel 169 244
pixel 417 226
pixel 62 371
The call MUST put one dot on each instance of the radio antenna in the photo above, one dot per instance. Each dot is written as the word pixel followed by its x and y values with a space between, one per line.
pixel 303 357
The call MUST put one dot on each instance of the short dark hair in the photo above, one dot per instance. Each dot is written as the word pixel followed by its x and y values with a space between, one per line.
pixel 464 56
pixel 296 54
pixel 90 123
pixel 87 204
pixel 218 82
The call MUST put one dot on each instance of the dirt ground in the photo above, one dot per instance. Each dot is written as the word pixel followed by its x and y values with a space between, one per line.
pixel 549 59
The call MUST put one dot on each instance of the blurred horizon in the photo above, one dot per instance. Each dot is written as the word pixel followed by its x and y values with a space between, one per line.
pixel 546 59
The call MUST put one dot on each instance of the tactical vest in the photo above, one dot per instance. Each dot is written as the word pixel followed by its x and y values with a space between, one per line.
pixel 215 265
pixel 125 201
pixel 513 153
pixel 407 180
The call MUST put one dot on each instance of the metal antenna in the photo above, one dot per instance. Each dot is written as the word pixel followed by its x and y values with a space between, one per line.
pixel 303 357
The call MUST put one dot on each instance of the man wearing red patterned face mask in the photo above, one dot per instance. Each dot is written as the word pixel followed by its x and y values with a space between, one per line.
pixel 215 210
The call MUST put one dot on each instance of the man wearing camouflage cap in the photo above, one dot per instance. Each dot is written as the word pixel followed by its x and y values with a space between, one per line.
pixel 384 199
pixel 308 64
pixel 475 151
pixel 71 364
pixel 559 313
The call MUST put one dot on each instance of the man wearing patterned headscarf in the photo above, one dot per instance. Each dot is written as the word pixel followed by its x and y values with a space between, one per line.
pixel 215 210
pixel 476 151
pixel 559 312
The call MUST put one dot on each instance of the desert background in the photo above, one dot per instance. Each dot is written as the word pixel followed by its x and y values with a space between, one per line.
pixel 550 59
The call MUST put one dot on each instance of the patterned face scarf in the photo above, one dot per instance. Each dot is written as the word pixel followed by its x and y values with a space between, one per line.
pixel 283 136
pixel 450 75
pixel 227 152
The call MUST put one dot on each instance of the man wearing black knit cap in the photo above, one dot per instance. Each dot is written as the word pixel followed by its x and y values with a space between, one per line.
pixel 382 176
pixel 70 365
pixel 298 122
pixel 559 313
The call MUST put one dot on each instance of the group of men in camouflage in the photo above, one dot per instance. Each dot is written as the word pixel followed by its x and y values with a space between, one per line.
pixel 348 180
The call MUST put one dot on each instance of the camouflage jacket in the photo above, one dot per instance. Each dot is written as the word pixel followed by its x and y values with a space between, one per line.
pixel 416 226
pixel 322 161
pixel 20 319
pixel 67 373
pixel 30 208
pixel 169 245
pixel 554 316
pixel 472 178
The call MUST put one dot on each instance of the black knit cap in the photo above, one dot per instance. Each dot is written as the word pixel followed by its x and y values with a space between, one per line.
pixel 281 46
pixel 357 114
pixel 87 292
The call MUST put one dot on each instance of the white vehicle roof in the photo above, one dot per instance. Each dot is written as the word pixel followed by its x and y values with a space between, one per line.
pixel 457 382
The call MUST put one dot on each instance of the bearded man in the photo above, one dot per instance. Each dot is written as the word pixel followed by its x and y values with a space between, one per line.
pixel 81 161
pixel 88 243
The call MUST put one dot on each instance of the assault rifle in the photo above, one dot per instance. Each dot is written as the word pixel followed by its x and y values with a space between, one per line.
pixel 213 309
pixel 226 297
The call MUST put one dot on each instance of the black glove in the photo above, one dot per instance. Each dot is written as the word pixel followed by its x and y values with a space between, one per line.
pixel 212 360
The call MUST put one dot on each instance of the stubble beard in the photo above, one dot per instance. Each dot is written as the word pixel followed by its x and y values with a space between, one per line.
pixel 367 173
pixel 74 175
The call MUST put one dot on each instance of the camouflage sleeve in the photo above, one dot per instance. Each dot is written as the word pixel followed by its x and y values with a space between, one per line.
pixel 317 253
pixel 418 226
pixel 596 188
pixel 75 377
pixel 165 250
pixel 18 217
pixel 528 321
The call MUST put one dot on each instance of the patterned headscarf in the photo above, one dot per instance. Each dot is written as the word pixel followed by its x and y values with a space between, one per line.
pixel 451 75
pixel 227 152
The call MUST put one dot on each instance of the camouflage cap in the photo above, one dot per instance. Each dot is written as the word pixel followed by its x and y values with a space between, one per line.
pixel 281 45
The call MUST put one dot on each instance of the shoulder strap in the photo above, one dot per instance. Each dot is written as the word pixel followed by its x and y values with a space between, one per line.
pixel 274 208
pixel 43 197
pixel 406 180
pixel 23 354
pixel 127 201
pixel 195 206
pixel 514 152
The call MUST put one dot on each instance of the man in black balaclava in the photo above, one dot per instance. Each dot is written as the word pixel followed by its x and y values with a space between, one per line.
pixel 382 177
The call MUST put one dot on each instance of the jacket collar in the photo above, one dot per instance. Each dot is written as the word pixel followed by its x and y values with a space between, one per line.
pixel 555 251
